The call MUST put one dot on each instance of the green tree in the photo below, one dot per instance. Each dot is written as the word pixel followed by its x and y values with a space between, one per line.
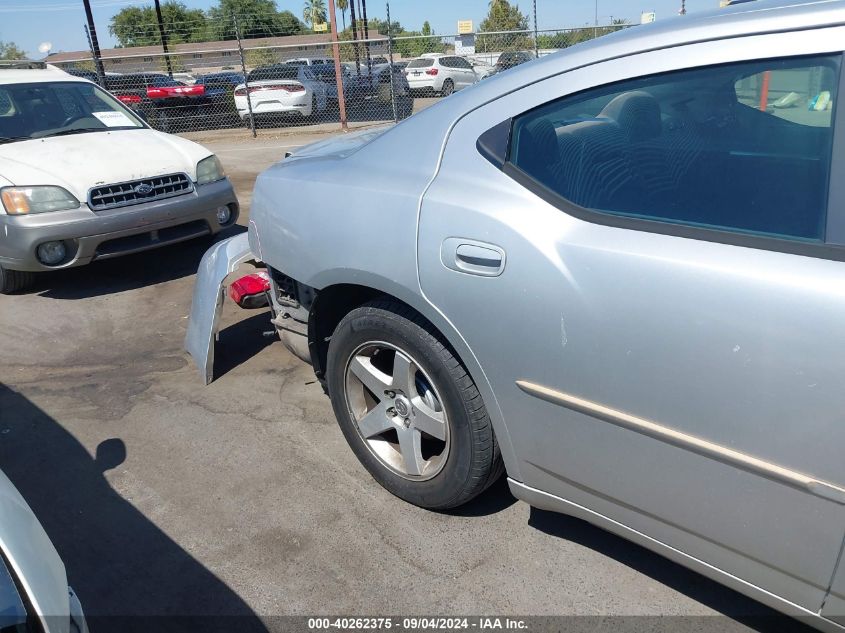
pixel 314 12
pixel 426 30
pixel 502 16
pixel 343 5
pixel 261 57
pixel 138 26
pixel 256 18
pixel 10 50
pixel 288 24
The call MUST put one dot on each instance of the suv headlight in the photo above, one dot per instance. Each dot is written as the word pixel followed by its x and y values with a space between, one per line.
pixel 24 200
pixel 209 169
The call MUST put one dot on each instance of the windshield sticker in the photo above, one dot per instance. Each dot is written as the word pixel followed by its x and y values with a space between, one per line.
pixel 114 119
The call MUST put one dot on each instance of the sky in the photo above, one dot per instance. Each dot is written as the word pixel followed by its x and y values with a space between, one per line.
pixel 30 23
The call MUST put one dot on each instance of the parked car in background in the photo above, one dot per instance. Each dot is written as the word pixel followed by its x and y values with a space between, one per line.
pixel 185 78
pixel 667 248
pixel 83 178
pixel 219 101
pixel 440 74
pixel 281 90
pixel 165 103
pixel 309 61
pixel 355 89
pixel 34 592
pixel 481 69
pixel 381 92
pixel 511 59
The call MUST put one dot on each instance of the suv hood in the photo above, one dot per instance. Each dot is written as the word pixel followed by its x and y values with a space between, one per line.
pixel 32 558
pixel 81 161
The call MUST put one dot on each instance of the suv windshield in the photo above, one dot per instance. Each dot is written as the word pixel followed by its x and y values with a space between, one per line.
pixel 52 109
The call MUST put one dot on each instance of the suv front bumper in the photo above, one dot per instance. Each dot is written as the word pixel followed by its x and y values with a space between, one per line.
pixel 89 236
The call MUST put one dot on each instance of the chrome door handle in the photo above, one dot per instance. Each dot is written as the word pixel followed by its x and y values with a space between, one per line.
pixel 472 257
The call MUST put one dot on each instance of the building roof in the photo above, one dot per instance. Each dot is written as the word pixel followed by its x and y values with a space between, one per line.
pixel 200 47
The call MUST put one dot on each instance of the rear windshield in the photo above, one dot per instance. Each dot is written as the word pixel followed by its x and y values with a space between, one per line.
pixel 286 71
pixel 421 63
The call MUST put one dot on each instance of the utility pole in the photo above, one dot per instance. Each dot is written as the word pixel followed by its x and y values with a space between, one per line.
pixel 355 37
pixel 338 75
pixel 366 37
pixel 596 23
pixel 163 38
pixel 95 46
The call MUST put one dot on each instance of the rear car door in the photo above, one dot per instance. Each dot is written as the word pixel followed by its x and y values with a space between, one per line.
pixel 468 76
pixel 649 271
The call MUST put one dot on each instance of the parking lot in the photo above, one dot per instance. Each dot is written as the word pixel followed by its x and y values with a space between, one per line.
pixel 168 498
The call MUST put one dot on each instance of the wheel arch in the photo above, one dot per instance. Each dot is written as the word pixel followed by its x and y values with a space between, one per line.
pixel 335 301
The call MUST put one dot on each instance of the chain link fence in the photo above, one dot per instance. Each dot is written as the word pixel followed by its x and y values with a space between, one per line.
pixel 260 83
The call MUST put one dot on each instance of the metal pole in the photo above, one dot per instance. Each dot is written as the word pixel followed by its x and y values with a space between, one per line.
pixel 338 75
pixel 91 48
pixel 246 83
pixel 391 69
pixel 367 38
pixel 596 23
pixel 95 46
pixel 163 39
pixel 355 36
pixel 683 10
pixel 536 45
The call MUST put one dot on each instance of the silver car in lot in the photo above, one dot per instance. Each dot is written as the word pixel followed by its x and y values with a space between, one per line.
pixel 617 272
pixel 34 594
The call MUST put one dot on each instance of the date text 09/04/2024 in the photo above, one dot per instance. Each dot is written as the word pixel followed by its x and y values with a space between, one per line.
pixel 416 624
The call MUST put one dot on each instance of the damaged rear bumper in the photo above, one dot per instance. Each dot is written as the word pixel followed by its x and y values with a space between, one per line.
pixel 218 262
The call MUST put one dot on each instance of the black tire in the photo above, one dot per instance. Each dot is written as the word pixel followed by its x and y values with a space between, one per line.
pixel 405 107
pixel 315 112
pixel 473 461
pixel 448 88
pixel 14 280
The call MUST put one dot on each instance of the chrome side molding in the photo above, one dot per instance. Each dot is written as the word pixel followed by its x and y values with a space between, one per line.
pixel 688 442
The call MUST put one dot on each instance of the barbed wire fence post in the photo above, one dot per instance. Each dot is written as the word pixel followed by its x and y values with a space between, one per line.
pixel 91 30
pixel 391 70
pixel 163 36
pixel 246 80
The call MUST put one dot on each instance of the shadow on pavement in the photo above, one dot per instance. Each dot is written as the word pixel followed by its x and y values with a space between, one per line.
pixel 496 498
pixel 129 575
pixel 710 593
pixel 241 341
pixel 129 272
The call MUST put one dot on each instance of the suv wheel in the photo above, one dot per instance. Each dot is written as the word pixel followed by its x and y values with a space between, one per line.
pixel 14 280
pixel 448 88
pixel 409 410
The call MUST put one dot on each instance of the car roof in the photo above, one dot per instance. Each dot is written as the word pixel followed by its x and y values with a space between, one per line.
pixel 12 73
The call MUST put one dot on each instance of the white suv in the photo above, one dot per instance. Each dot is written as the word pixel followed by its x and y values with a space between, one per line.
pixel 440 74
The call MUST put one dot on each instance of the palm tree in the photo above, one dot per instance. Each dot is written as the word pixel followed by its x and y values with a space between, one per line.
pixel 343 5
pixel 314 12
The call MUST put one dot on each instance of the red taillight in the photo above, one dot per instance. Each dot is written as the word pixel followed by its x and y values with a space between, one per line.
pixel 154 92
pixel 129 98
pixel 250 291
pixel 432 71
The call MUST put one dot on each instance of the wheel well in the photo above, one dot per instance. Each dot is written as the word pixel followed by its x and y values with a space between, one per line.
pixel 330 306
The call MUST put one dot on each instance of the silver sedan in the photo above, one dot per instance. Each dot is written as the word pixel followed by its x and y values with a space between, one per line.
pixel 615 273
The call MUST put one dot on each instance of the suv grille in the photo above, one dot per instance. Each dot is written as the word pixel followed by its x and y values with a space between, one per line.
pixel 137 191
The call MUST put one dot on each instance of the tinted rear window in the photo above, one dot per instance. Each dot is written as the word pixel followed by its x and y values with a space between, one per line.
pixel 420 63
pixel 286 71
